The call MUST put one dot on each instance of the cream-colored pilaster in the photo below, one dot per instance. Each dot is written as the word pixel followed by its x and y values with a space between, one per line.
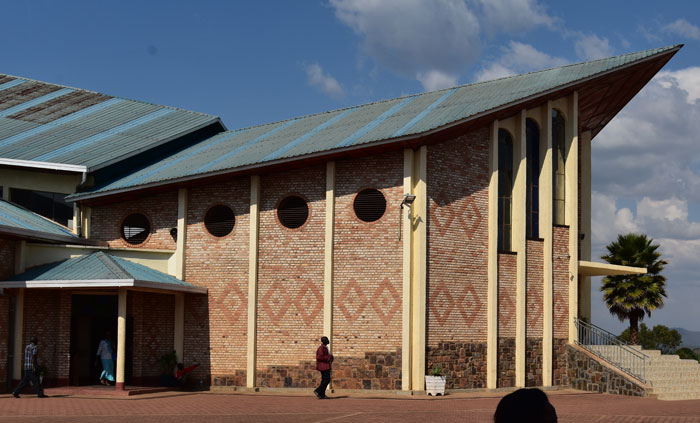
pixel 121 339
pixel 519 215
pixel 546 222
pixel 253 279
pixel 18 350
pixel 179 335
pixel 572 211
pixel 329 250
pixel 76 218
pixel 492 301
pixel 419 268
pixel 85 217
pixel 407 233
pixel 20 257
pixel 585 295
pixel 181 244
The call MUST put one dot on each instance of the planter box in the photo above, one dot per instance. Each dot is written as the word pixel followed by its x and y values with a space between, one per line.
pixel 435 385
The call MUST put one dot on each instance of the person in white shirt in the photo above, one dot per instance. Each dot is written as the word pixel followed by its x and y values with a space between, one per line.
pixel 105 352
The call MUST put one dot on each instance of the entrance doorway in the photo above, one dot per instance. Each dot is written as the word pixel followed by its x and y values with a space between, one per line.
pixel 91 317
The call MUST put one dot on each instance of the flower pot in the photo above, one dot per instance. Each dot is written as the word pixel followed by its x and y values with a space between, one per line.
pixel 435 385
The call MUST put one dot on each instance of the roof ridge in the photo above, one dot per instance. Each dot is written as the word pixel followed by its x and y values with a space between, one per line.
pixel 109 95
pixel 110 263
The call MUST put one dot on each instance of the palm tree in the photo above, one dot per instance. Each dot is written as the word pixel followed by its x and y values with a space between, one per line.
pixel 632 296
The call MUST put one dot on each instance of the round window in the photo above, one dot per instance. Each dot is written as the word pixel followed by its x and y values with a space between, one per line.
pixel 292 212
pixel 369 205
pixel 219 220
pixel 135 228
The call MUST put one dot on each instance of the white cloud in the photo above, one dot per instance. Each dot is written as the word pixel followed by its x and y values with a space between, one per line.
pixel 512 16
pixel 592 47
pixel 517 58
pixel 414 38
pixel 323 81
pixel 435 80
pixel 687 79
pixel 683 28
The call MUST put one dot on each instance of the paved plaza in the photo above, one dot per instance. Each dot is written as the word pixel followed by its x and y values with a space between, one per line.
pixel 209 407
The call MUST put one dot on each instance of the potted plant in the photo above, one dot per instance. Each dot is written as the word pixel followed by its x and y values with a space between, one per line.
pixel 435 382
pixel 167 363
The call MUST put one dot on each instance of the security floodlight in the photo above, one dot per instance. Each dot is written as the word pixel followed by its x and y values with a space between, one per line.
pixel 408 199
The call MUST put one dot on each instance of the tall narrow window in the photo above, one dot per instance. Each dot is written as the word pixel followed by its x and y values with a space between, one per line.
pixel 505 189
pixel 558 162
pixel 532 139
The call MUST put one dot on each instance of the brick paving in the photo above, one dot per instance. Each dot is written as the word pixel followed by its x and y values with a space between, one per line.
pixel 209 407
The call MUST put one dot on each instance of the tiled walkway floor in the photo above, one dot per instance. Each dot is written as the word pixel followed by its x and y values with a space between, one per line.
pixel 176 407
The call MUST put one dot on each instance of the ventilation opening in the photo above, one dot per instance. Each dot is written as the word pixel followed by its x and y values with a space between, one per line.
pixel 293 212
pixel 135 228
pixel 369 205
pixel 219 220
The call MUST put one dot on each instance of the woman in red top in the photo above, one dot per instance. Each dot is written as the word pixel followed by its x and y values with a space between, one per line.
pixel 323 365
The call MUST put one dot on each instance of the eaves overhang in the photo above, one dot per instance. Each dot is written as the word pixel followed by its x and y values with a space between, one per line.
pixel 591 268
pixel 29 234
pixel 104 284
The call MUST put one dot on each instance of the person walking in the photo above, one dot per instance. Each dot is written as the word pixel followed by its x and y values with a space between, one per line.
pixel 323 365
pixel 105 353
pixel 31 366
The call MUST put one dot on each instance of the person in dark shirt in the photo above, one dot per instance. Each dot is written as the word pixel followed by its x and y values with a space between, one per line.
pixel 31 367
pixel 323 365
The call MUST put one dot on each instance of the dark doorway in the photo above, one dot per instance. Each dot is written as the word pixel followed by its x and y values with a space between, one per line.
pixel 91 317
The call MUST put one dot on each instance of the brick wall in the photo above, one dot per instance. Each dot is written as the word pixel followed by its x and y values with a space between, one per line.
pixel 561 281
pixel 47 316
pixel 458 240
pixel 153 331
pixel 7 267
pixel 368 261
pixel 160 209
pixel 534 313
pixel 291 263
pixel 221 265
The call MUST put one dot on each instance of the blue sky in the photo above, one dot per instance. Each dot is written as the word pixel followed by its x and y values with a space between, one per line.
pixel 263 61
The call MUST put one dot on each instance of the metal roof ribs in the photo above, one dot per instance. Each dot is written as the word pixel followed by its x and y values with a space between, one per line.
pixel 31 103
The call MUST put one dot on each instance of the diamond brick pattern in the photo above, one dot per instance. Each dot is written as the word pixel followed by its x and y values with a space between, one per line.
pixel 275 302
pixel 231 301
pixel 386 301
pixel 309 302
pixel 471 306
pixel 352 301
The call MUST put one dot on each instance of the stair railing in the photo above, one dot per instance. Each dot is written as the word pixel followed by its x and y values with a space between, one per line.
pixel 608 347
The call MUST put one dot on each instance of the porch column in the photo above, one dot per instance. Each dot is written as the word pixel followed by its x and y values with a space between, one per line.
pixel 585 302
pixel 572 176
pixel 17 364
pixel 179 336
pixel 121 339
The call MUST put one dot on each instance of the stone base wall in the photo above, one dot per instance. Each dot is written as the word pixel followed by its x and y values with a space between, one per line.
pixel 463 363
pixel 588 374
pixel 376 370
pixel 506 362
pixel 533 362
pixel 560 362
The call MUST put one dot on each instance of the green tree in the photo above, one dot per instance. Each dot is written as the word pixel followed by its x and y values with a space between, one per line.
pixel 659 338
pixel 687 353
pixel 630 297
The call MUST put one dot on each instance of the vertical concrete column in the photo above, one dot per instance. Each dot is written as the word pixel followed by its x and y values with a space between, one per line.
pixel 329 251
pixel 572 176
pixel 519 215
pixel 86 216
pixel 492 260
pixel 419 268
pixel 253 279
pixel 20 256
pixel 76 218
pixel 121 339
pixel 18 352
pixel 181 244
pixel 407 234
pixel 546 223
pixel 179 335
pixel 585 159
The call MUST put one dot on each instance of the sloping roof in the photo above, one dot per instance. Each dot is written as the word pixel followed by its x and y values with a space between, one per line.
pixel 360 126
pixel 21 223
pixel 41 122
pixel 97 270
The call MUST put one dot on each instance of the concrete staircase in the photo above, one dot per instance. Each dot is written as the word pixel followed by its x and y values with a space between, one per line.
pixel 670 377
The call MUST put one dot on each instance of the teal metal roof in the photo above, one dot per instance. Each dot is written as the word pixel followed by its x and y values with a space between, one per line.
pixel 44 122
pixel 99 269
pixel 22 222
pixel 360 125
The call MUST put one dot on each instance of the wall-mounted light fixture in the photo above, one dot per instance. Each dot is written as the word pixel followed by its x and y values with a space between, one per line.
pixel 408 200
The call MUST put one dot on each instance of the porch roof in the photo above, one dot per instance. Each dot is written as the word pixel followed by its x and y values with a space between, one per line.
pixel 98 270
pixel 591 268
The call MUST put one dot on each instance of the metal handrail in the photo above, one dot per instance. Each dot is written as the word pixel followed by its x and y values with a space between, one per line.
pixel 610 348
